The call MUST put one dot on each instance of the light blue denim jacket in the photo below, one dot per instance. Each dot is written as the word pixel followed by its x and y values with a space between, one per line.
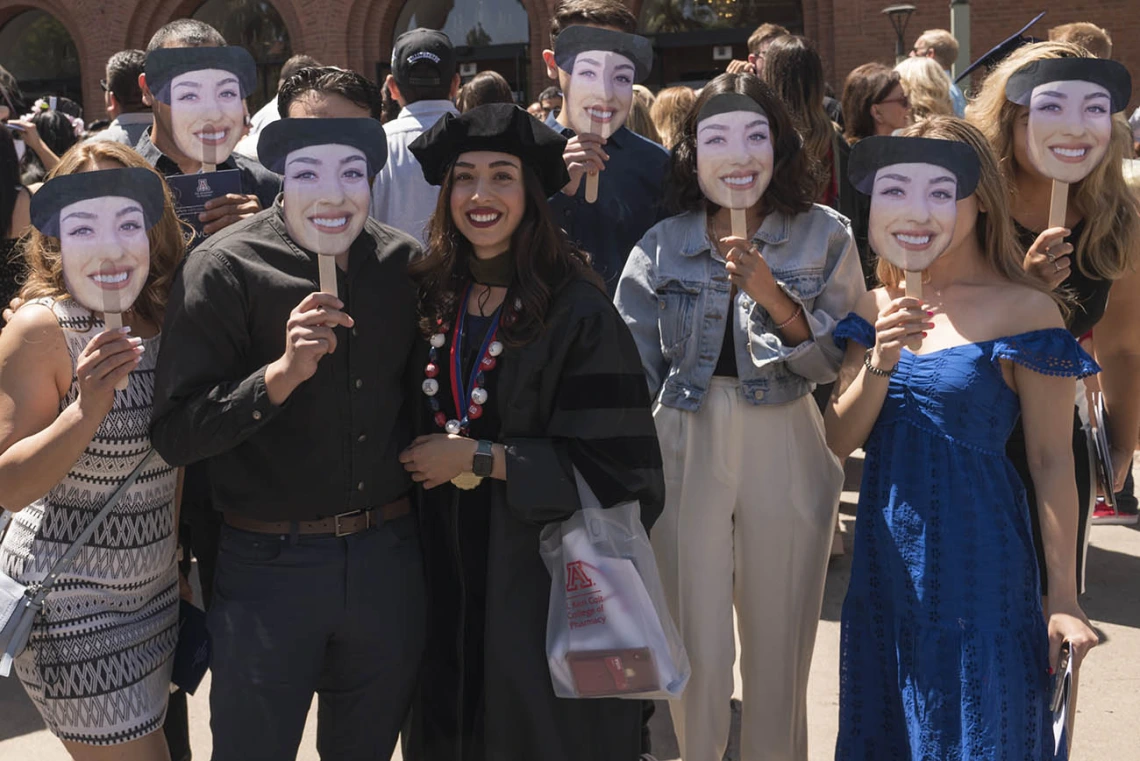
pixel 674 296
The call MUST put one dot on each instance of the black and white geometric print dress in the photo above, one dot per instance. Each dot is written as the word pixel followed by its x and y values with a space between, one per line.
pixel 99 659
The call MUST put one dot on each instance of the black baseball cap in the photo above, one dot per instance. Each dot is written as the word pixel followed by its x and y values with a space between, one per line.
pixel 423 58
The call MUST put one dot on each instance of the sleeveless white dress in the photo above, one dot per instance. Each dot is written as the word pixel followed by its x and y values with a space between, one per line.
pixel 99 658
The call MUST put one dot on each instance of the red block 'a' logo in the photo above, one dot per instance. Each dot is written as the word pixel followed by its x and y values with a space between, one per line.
pixel 577 579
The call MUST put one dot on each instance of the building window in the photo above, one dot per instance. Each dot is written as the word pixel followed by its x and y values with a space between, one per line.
pixel 256 26
pixel 671 16
pixel 37 49
pixel 474 23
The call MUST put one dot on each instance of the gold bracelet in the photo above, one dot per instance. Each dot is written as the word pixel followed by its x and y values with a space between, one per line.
pixel 790 320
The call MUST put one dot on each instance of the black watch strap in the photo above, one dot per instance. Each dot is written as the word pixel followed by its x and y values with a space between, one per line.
pixel 484 461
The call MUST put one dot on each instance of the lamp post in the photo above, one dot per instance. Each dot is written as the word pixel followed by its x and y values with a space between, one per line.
pixel 900 17
pixel 960 28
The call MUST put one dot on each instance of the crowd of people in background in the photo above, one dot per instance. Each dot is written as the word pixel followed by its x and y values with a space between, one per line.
pixel 720 381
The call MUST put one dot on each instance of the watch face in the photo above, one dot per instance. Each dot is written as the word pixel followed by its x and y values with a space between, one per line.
pixel 484 461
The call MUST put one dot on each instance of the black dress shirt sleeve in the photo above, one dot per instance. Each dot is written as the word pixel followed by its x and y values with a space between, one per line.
pixel 199 412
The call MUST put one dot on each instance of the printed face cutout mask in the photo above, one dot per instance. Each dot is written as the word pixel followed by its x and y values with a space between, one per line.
pixel 327 165
pixel 734 151
pixel 101 219
pixel 200 96
pixel 915 185
pixel 1071 102
pixel 600 68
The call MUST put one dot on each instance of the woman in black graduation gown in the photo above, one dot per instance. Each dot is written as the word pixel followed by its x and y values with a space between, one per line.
pixel 528 371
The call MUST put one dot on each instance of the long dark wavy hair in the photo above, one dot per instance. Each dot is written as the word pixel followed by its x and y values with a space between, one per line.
pixel 793 185
pixel 545 261
pixel 792 66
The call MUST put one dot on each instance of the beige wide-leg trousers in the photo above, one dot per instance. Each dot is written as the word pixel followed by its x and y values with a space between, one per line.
pixel 751 497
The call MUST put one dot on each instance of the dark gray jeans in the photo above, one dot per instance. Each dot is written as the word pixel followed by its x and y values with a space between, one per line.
pixel 339 617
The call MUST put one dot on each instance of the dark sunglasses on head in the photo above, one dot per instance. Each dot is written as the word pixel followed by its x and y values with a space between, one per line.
pixel 902 100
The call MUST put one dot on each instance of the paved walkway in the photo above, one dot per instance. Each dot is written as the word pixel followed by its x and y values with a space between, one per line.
pixel 1108 723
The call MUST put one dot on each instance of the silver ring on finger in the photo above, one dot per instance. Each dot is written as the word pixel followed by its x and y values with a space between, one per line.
pixel 1056 267
pixel 1050 256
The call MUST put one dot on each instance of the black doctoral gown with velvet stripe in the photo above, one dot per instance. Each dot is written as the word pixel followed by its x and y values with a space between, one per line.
pixel 576 395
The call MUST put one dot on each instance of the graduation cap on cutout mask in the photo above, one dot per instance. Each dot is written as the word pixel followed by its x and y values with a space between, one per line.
pixel 282 137
pixel 1110 75
pixel 500 127
pixel 164 64
pixel 578 39
pixel 1002 50
pixel 101 219
pixel 138 184
pixel 871 154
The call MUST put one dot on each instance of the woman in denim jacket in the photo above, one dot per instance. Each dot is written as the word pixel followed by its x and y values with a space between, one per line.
pixel 733 335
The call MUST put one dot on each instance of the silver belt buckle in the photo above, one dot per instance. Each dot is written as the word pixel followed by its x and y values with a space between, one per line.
pixel 336 521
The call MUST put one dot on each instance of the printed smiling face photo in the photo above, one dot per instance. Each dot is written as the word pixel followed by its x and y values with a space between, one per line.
pixel 326 197
pixel 598 92
pixel 105 252
pixel 1069 128
pixel 206 114
pixel 913 211
pixel 734 158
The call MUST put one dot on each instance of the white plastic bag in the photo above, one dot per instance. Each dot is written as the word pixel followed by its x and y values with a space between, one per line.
pixel 608 630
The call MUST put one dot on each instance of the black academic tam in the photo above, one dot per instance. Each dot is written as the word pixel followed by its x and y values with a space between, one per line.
pixel 1111 75
pixel 871 154
pixel 574 40
pixel 164 64
pixel 282 137
pixel 135 183
pixel 499 127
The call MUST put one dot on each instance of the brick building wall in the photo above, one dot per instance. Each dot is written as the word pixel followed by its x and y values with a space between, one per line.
pixel 357 33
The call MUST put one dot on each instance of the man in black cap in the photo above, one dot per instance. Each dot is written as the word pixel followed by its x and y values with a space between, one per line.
pixel 424 82
pixel 157 146
pixel 294 400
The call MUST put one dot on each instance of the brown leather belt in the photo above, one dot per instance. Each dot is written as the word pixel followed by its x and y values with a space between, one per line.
pixel 338 525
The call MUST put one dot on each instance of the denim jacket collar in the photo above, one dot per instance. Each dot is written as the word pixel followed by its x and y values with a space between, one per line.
pixel 772 231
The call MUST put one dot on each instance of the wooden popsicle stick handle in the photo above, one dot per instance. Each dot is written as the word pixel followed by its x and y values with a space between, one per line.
pixel 592 188
pixel 209 167
pixel 739 223
pixel 1058 203
pixel 914 285
pixel 114 321
pixel 327 265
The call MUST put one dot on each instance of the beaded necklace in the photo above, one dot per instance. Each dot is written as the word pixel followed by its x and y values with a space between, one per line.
pixel 468 399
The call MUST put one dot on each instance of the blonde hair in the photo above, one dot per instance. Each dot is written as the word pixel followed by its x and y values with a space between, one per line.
pixel 639 120
pixel 1110 210
pixel 167 238
pixel 669 111
pixel 926 86
pixel 944 45
pixel 994 228
pixel 645 95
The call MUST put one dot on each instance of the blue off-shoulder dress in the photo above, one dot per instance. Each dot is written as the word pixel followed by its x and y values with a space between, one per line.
pixel 944 649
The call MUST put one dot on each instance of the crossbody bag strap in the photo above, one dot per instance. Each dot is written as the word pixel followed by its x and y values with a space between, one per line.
pixel 64 562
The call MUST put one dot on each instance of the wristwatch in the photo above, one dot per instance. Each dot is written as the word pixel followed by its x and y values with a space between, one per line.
pixel 484 460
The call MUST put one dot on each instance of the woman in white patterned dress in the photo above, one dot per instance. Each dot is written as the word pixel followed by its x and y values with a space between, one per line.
pixel 98 663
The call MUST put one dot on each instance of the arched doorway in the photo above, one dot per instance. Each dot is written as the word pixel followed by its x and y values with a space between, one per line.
pixel 258 27
pixel 487 34
pixel 691 36
pixel 39 52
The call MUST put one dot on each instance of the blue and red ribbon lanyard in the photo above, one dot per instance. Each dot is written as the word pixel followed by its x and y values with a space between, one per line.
pixel 461 396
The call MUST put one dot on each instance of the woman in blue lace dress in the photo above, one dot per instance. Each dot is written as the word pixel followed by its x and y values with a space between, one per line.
pixel 946 653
